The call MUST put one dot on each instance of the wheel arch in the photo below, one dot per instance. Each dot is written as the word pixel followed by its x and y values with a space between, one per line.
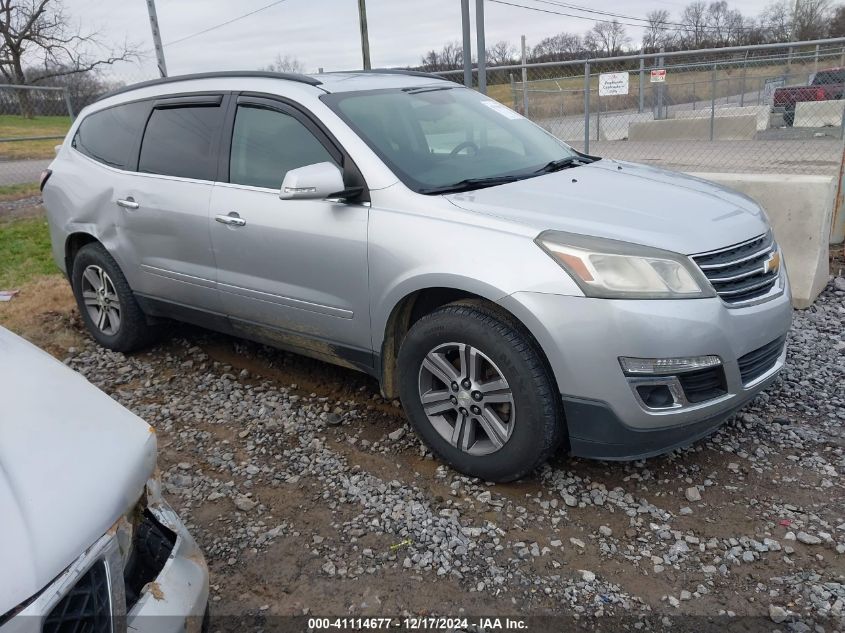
pixel 73 244
pixel 415 304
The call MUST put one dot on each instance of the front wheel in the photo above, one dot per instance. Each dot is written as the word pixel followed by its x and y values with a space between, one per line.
pixel 478 392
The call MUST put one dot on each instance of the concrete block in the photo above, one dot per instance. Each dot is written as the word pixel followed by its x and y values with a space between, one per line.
pixel 761 112
pixel 727 128
pixel 800 209
pixel 819 113
pixel 611 127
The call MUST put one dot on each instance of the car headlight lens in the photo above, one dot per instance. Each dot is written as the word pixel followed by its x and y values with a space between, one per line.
pixel 619 270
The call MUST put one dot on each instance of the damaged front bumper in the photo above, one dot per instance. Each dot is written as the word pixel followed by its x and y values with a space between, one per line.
pixel 146 573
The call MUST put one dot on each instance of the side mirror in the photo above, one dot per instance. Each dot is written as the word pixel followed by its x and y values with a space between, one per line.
pixel 312 182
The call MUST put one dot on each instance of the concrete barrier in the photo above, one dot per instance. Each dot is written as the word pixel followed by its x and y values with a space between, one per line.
pixel 819 113
pixel 726 128
pixel 761 112
pixel 611 127
pixel 800 209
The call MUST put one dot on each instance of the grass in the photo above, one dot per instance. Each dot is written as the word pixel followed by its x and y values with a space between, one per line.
pixel 24 252
pixel 12 126
pixel 17 192
pixel 44 311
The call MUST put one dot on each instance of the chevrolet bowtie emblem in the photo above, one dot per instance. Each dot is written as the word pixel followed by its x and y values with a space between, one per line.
pixel 772 264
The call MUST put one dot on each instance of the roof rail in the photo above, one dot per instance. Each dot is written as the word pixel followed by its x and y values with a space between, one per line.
pixel 394 71
pixel 305 79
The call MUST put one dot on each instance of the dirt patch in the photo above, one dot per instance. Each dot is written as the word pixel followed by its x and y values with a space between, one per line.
pixel 44 313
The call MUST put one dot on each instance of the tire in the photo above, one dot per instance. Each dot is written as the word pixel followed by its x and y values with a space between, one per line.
pixel 125 327
pixel 527 425
pixel 789 117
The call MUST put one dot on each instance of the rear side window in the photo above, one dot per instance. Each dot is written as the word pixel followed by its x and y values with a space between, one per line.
pixel 267 144
pixel 110 136
pixel 179 141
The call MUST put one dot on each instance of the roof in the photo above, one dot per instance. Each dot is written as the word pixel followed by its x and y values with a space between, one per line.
pixel 343 81
pixel 347 81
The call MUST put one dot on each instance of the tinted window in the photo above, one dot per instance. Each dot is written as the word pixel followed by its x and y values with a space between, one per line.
pixel 179 142
pixel 111 135
pixel 266 144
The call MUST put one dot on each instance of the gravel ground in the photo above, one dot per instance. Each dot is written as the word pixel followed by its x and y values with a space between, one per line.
pixel 310 495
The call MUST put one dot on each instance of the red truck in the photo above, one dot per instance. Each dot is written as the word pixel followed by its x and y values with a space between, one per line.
pixel 825 85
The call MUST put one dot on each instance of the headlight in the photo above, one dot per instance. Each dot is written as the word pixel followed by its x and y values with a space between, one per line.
pixel 619 270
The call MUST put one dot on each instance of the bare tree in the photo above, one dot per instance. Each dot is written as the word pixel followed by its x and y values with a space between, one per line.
pixel 836 28
pixel 694 20
pixel 38 33
pixel 450 57
pixel 286 64
pixel 725 26
pixel 610 37
pixel 557 47
pixel 810 19
pixel 502 53
pixel 776 21
pixel 657 33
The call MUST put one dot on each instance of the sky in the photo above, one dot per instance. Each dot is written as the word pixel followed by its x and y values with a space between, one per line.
pixel 324 33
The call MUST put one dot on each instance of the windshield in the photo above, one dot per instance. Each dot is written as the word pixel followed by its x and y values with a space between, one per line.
pixel 436 137
pixel 824 77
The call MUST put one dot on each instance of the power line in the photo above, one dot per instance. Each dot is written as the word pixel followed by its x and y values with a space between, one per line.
pixel 576 7
pixel 676 25
pixel 226 23
pixel 568 15
pixel 667 23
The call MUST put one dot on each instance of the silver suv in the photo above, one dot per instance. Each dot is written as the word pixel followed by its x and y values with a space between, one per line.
pixel 517 295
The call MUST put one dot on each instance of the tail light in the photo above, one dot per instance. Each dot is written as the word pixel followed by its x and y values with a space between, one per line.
pixel 820 94
pixel 45 176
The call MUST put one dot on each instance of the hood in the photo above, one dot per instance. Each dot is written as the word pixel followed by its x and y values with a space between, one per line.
pixel 625 201
pixel 72 461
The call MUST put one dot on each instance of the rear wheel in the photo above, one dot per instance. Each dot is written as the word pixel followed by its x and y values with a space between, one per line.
pixel 478 392
pixel 789 116
pixel 106 303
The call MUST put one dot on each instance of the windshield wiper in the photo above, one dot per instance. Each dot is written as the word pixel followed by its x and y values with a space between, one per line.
pixel 470 184
pixel 562 163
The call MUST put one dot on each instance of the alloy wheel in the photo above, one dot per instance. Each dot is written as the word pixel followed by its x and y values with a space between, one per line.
pixel 466 398
pixel 101 300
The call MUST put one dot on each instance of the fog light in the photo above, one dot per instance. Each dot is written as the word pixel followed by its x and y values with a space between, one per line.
pixel 656 396
pixel 666 366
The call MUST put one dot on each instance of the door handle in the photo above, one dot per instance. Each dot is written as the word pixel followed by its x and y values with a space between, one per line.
pixel 231 219
pixel 128 203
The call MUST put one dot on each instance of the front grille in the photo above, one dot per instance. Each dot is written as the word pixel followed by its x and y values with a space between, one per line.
pixel 742 272
pixel 704 384
pixel 86 608
pixel 755 364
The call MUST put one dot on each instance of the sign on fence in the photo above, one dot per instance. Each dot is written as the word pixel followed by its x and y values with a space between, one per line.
pixel 612 84
pixel 769 87
pixel 658 76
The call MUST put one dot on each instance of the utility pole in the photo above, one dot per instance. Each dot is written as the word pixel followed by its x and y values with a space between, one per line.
pixel 482 51
pixel 467 54
pixel 162 67
pixel 365 38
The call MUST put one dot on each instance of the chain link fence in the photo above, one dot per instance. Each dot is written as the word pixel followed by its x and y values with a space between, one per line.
pixel 34 119
pixel 769 108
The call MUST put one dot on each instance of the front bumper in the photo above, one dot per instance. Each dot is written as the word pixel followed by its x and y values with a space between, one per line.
pixel 174 601
pixel 583 339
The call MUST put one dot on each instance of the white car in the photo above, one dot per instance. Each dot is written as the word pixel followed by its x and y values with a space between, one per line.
pixel 88 543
